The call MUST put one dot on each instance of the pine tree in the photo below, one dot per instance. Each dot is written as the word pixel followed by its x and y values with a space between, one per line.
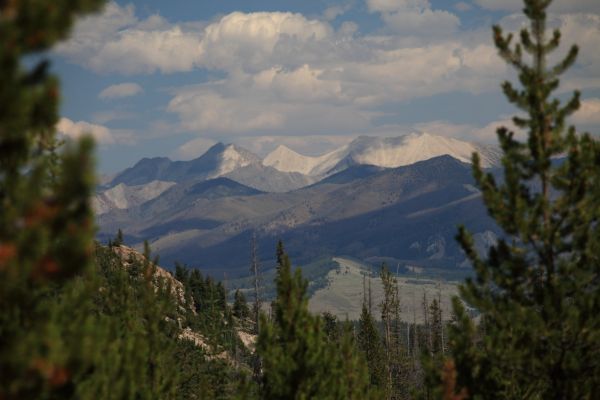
pixel 240 306
pixel 331 326
pixel 388 306
pixel 137 314
pixel 369 342
pixel 119 239
pixel 352 381
pixel 257 304
pixel 46 225
pixel 390 315
pixel 298 361
pixel 435 318
pixel 256 278
pixel 538 290
pixel 426 324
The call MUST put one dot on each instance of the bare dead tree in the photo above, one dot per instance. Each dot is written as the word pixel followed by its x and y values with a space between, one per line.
pixel 427 325
pixel 443 344
pixel 415 336
pixel 255 271
pixel 370 297
pixel 256 275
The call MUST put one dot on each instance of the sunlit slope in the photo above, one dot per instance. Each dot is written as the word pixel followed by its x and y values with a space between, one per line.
pixel 343 296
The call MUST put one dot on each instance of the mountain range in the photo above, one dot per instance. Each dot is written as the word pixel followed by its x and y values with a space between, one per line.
pixel 396 199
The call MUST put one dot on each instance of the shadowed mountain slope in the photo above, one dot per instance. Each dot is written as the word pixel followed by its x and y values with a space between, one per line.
pixel 408 213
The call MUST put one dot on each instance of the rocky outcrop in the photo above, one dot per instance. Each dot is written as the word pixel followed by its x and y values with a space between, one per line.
pixel 129 256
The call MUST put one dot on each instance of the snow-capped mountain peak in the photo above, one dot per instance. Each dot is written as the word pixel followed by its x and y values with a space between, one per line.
pixel 231 158
pixel 390 152
pixel 408 149
pixel 287 160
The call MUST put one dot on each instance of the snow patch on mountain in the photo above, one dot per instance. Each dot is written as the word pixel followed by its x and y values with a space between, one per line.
pixel 233 158
pixel 382 152
pixel 122 196
pixel 287 160
pixel 408 149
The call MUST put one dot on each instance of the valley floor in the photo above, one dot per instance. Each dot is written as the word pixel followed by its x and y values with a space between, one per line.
pixel 343 295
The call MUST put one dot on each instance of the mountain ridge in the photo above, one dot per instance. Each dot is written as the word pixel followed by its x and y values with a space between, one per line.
pixel 378 214
pixel 388 152
pixel 351 205
pixel 293 170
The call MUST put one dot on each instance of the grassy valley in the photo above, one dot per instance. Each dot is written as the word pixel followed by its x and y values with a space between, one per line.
pixel 343 295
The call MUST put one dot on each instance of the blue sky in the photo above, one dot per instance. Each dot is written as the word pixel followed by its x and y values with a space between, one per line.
pixel 156 78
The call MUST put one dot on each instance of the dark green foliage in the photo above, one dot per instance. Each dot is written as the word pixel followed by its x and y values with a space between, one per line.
pixel 350 375
pixel 280 253
pixel 195 372
pixel 143 356
pixel 298 360
pixel 369 342
pixel 214 319
pixel 119 239
pixel 436 328
pixel 203 378
pixel 71 327
pixel 212 315
pixel 136 313
pixel 331 326
pixel 46 226
pixel 538 291
pixel 240 306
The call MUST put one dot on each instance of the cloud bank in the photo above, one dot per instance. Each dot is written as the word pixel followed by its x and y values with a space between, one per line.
pixel 284 73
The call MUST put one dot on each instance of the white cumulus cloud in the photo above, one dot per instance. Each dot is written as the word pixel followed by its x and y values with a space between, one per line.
pixel 117 41
pixel 75 130
pixel 335 86
pixel 121 90
pixel 271 101
pixel 141 51
pixel 251 41
pixel 283 73
pixel 414 17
